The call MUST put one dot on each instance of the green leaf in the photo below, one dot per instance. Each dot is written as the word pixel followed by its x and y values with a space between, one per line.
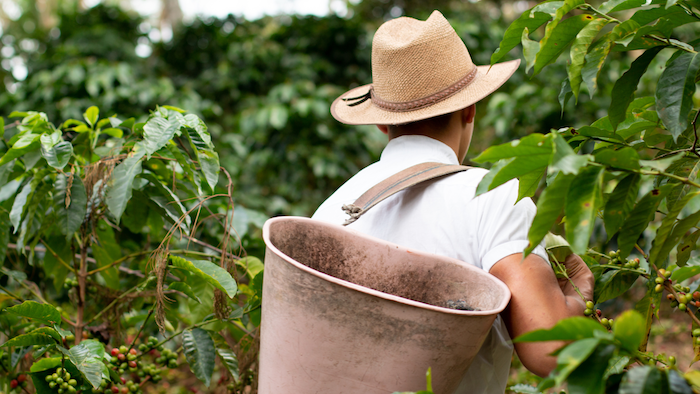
pixel 52 268
pixel 572 356
pixel 626 158
pixel 113 132
pixel 527 187
pixel 639 219
pixel 659 248
pixel 679 230
pixel 185 289
pixel 201 139
pixel 210 272
pixel 21 201
pixel 30 340
pixel 565 94
pixel 534 145
pixel 88 358
pixel 91 115
pixel 644 380
pixel 120 185
pixel 565 159
pixel 107 251
pixel 558 39
pixel 582 202
pixel 58 155
pixel 44 313
pixel 227 356
pixel 47 331
pixel 595 58
pixel 25 144
pixel 157 132
pixel 176 109
pixel 4 234
pixel 623 91
pixel 45 363
pixel 200 353
pixel 674 92
pixel 586 379
pixel 209 161
pixel 530 49
pixel 688 244
pixel 252 266
pixel 677 384
pixel 624 32
pixel 531 20
pixel 616 365
pixel 485 182
pixel 683 273
pixel 661 164
pixel 578 51
pixel 570 329
pixel 612 284
pixel 629 330
pixel 70 211
pixel 549 207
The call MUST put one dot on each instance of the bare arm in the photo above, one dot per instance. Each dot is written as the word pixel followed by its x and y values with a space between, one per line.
pixel 539 301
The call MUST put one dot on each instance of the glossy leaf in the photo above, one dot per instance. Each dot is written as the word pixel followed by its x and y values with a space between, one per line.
pixel 624 32
pixel 638 219
pixel 689 242
pixel 25 144
pixel 534 145
pixel 644 380
pixel 157 132
pixel 625 158
pixel 612 284
pixel 45 363
pixel 659 251
pixel 682 226
pixel 530 50
pixel 578 51
pixel 29 340
pixel 683 273
pixel 623 92
pixel 486 180
pixel 209 162
pixel 200 353
pixel 555 42
pixel 549 206
pixel 674 92
pixel 565 159
pixel 226 355
pixel 570 329
pixel 4 234
pixel 70 209
pixel 91 115
pixel 43 313
pixel 629 330
pixel 586 378
pixel 210 272
pixel 120 185
pixel 527 187
pixel 58 155
pixel 54 270
pixel 677 384
pixel 595 58
pixel 106 251
pixel 185 289
pixel 572 356
pixel 518 167
pixel 21 201
pixel 88 359
pixel 582 202
pixel 531 19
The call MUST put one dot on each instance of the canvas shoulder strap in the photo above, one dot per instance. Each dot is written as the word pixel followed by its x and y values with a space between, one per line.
pixel 401 180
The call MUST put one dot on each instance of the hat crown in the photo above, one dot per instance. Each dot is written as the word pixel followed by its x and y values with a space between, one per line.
pixel 413 59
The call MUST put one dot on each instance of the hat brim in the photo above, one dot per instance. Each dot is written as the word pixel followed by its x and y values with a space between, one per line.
pixel 488 79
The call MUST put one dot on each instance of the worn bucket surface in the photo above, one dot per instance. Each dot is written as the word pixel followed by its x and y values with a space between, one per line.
pixel 343 312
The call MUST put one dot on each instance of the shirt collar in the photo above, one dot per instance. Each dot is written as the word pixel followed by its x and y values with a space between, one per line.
pixel 418 149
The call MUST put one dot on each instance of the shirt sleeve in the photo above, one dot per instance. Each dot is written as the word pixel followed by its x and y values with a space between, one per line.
pixel 504 225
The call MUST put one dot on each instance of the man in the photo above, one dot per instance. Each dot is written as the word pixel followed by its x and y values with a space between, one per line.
pixel 423 97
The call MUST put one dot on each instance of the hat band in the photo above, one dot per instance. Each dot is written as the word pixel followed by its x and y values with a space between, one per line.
pixel 413 105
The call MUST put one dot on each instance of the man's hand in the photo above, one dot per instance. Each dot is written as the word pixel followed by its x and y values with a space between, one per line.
pixel 580 274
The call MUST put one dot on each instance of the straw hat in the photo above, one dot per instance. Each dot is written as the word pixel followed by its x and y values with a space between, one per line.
pixel 420 69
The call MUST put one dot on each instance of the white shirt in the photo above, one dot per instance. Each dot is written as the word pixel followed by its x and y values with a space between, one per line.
pixel 445 218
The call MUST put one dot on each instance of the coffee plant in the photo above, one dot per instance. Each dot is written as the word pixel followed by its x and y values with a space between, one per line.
pixel 628 181
pixel 120 260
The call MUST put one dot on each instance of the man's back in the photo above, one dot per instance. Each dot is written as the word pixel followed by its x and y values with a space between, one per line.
pixel 443 217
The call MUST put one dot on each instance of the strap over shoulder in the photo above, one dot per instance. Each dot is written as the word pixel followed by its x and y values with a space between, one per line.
pixel 400 181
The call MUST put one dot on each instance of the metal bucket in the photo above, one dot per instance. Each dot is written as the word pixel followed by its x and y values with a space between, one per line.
pixel 343 312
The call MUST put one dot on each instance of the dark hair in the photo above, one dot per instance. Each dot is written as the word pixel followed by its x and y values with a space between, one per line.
pixel 437 123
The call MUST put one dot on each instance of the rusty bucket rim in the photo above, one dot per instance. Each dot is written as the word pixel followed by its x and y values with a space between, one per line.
pixel 386 296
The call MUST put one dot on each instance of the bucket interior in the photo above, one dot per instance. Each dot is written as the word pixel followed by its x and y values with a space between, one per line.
pixel 386 267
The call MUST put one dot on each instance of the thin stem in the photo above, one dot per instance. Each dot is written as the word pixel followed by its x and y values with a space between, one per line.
pixel 118 261
pixel 36 294
pixel 57 257
pixel 670 289
pixel 666 174
pixel 8 292
pixel 150 312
